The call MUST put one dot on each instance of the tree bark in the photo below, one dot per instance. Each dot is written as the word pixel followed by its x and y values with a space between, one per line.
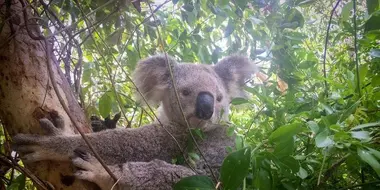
pixel 26 92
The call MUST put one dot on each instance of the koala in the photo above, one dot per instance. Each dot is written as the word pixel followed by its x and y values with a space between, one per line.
pixel 139 155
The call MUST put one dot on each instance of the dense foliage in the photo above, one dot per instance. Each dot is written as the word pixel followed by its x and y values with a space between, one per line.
pixel 313 113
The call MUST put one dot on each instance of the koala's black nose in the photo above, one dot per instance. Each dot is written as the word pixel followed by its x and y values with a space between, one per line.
pixel 204 106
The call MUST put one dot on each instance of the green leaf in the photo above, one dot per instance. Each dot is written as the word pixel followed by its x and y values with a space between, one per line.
pixel 263 180
pixel 375 53
pixel 183 35
pixel 362 135
pixel 86 77
pixel 346 11
pixel 230 28
pixel 223 2
pixel 372 6
pixel 313 126
pixel 374 152
pixel 241 3
pixel 235 168
pixel 323 139
pixel 105 105
pixel 285 132
pixel 373 22
pixel 302 173
pixel 238 101
pixel 306 3
pixel 375 80
pixel 294 19
pixel 285 148
pixel 367 157
pixel 239 142
pixel 195 183
pixel 362 126
pixel 18 183
pixel 287 165
pixel 349 111
pixel 21 181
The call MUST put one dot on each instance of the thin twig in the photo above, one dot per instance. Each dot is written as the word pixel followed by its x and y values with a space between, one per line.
pixel 320 172
pixel 325 49
pixel 118 180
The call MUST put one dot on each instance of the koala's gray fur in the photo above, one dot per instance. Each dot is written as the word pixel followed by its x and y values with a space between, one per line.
pixel 141 157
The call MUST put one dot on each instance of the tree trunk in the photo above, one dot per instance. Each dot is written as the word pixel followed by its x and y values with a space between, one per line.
pixel 26 93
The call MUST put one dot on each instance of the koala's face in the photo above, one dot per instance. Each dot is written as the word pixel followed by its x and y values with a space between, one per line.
pixel 203 90
pixel 202 94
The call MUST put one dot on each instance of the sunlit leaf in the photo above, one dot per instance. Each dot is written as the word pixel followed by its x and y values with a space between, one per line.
pixel 105 105
pixel 302 173
pixel 369 159
pixel 313 126
pixel 375 52
pixel 285 132
pixel 366 125
pixel 323 139
pixel 306 3
pixel 238 101
pixel 375 153
pixel 346 11
pixel 362 135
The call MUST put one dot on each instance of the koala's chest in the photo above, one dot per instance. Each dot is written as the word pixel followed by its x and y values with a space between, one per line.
pixel 214 148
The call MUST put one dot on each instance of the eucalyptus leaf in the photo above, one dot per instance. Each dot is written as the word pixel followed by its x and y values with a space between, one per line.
pixel 235 168
pixel 105 105
pixel 238 101
pixel 285 132
pixel 323 139
pixel 367 157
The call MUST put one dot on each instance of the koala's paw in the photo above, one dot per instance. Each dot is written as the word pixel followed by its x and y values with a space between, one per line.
pixel 88 167
pixel 29 147
pixel 33 147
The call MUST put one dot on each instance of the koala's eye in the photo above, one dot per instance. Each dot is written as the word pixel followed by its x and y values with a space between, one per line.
pixel 185 92
pixel 219 98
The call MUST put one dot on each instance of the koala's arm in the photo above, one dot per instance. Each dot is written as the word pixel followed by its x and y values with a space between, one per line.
pixel 114 146
pixel 155 174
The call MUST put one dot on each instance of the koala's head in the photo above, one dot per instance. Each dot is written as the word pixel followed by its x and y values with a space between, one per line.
pixel 205 91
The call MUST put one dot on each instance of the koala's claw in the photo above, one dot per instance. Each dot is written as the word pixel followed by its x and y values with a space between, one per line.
pixel 88 167
pixel 81 153
pixel 49 128
pixel 85 175
pixel 57 120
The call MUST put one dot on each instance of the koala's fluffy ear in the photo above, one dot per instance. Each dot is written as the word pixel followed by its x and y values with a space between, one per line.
pixel 152 78
pixel 235 70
